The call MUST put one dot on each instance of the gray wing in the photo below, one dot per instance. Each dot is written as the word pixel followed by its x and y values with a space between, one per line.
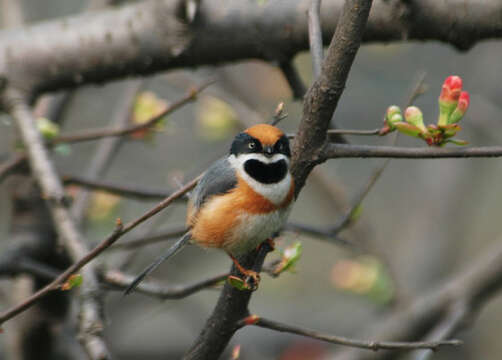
pixel 218 179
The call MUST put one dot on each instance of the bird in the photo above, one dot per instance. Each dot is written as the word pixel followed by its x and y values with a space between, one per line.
pixel 241 200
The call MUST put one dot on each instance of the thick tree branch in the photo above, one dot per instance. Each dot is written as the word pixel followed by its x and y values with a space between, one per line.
pixel 319 105
pixel 155 36
pixel 91 324
pixel 322 98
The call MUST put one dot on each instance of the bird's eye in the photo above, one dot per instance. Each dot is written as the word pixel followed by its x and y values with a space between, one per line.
pixel 280 147
pixel 251 145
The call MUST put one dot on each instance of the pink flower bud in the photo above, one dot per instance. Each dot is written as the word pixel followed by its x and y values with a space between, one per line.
pixel 452 87
pixel 461 109
pixel 463 101
pixel 450 93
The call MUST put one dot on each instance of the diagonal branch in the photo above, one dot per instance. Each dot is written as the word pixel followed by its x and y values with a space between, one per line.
pixel 323 96
pixel 91 324
pixel 472 286
pixel 319 104
pixel 114 236
pixel 95 134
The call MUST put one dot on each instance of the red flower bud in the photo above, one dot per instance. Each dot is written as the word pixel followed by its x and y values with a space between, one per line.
pixel 452 87
pixel 450 93
pixel 461 109
pixel 463 101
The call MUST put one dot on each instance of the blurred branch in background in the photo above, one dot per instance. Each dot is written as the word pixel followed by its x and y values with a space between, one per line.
pixel 189 44
pixel 90 324
pixel 105 152
pixel 443 305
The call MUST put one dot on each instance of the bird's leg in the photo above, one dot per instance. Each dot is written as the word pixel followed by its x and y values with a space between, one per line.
pixel 249 274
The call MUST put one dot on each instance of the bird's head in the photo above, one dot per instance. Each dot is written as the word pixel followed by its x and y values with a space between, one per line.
pixel 263 152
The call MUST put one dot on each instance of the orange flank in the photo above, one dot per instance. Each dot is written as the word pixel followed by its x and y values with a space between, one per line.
pixel 212 226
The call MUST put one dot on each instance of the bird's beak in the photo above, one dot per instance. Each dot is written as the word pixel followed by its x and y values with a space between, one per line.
pixel 268 151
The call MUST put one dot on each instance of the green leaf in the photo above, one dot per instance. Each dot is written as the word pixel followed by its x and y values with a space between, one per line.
pixel 47 128
pixel 356 212
pixel 238 283
pixel 457 142
pixel 290 257
pixel 73 281
pixel 408 129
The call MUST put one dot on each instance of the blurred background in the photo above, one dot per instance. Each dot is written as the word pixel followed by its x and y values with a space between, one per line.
pixel 422 221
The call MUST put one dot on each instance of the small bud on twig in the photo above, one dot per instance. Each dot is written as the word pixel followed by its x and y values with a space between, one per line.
pixel 448 98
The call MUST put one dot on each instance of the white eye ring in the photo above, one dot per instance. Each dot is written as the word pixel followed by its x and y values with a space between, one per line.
pixel 251 145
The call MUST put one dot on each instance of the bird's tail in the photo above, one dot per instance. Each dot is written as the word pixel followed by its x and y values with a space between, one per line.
pixel 170 252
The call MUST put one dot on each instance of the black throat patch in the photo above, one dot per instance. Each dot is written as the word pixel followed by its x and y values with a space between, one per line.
pixel 266 173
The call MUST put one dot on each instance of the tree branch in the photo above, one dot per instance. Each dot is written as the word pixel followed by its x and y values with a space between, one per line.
pixel 91 324
pixel 153 36
pixel 315 36
pixel 340 340
pixel 120 281
pixel 473 285
pixel 95 134
pixel 11 165
pixel 335 151
pixel 323 95
pixel 114 236
pixel 138 192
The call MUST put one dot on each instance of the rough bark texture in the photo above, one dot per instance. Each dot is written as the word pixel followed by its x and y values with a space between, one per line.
pixel 153 36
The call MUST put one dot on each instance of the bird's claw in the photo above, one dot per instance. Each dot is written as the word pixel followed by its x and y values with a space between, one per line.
pixel 252 279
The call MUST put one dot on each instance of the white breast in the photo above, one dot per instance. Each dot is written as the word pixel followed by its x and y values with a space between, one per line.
pixel 254 229
pixel 276 193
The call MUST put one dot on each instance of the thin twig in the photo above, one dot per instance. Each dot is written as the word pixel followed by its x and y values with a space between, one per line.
pixel 56 283
pixel 340 340
pixel 132 244
pixel 353 132
pixel 453 319
pixel 336 151
pixel 127 190
pixel 120 281
pixel 94 134
pixel 12 165
pixel 114 236
pixel 315 36
pixel 105 150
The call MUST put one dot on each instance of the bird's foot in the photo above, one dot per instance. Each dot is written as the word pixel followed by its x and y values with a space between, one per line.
pixel 251 278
